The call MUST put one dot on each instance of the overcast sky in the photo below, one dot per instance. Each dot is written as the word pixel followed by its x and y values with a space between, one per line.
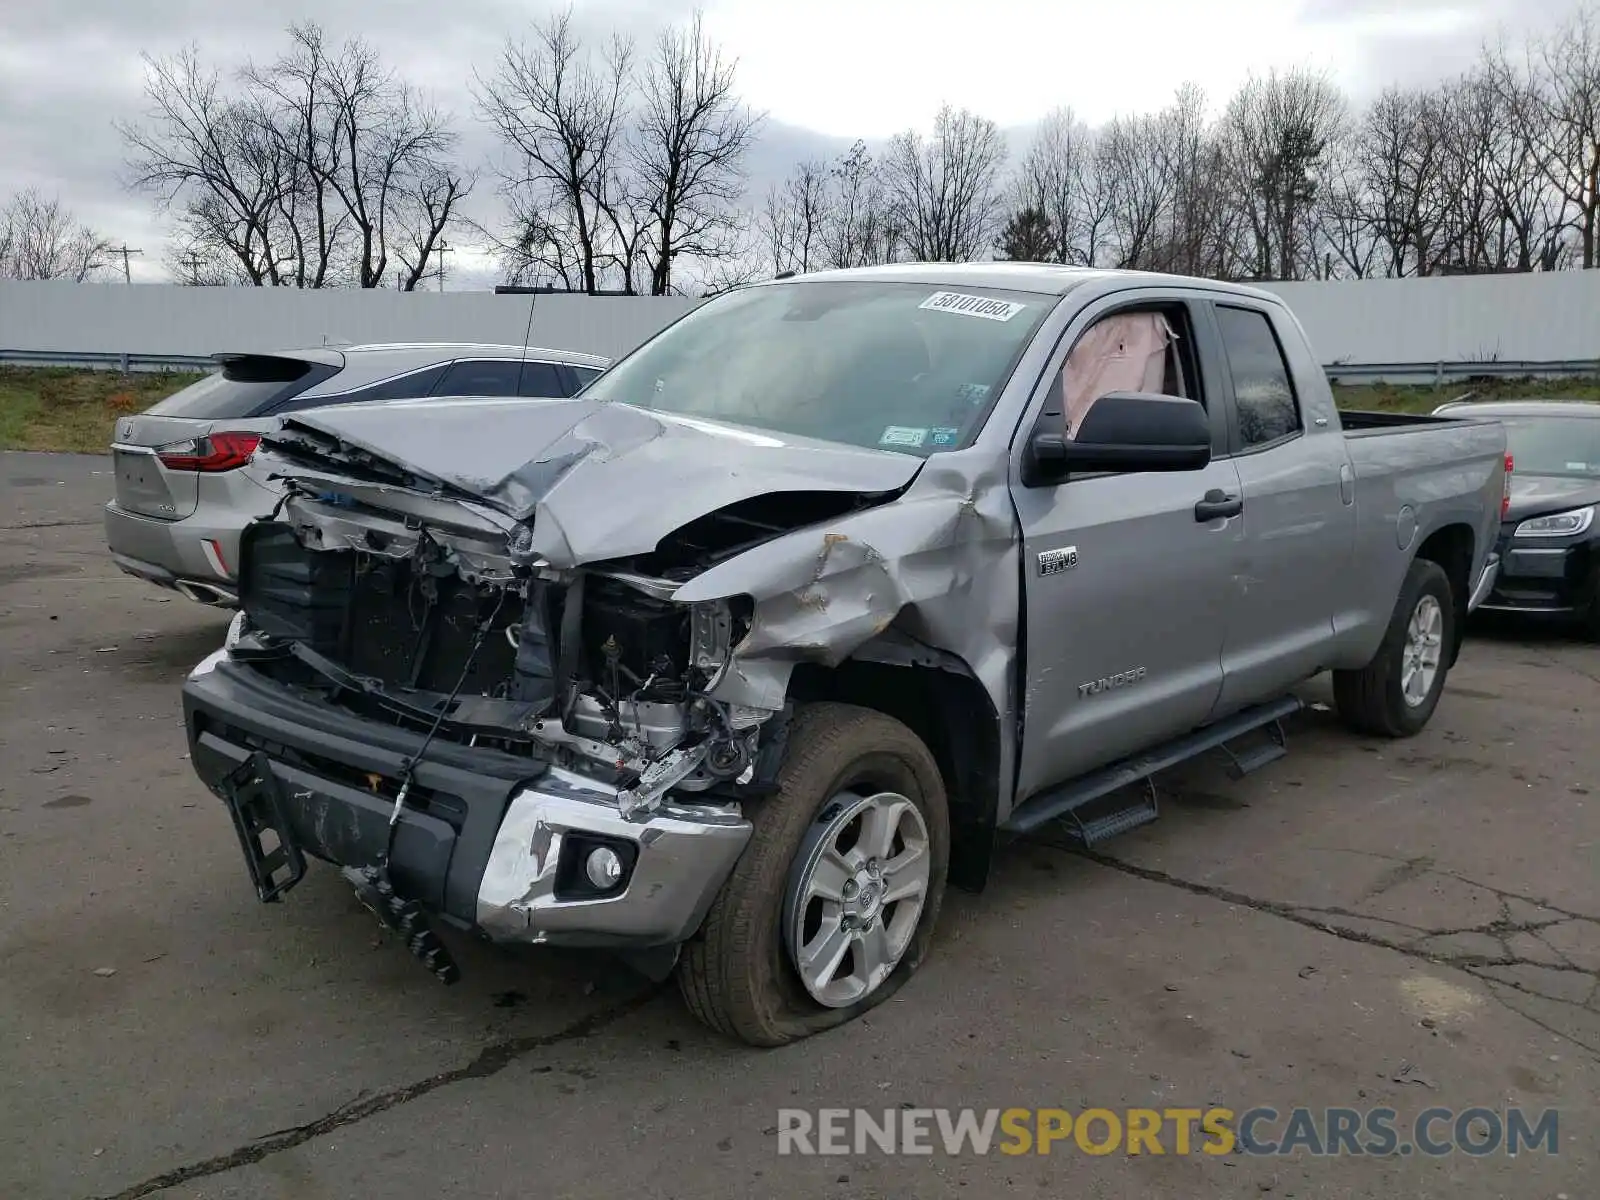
pixel 845 69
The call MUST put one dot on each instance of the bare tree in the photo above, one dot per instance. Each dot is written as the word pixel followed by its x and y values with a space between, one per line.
pixel 216 160
pixel 561 113
pixel 792 220
pixel 689 150
pixel 944 190
pixel 743 265
pixel 1400 153
pixel 1135 189
pixel 858 228
pixel 305 170
pixel 1533 210
pixel 40 239
pixel 1278 132
pixel 1566 95
pixel 1056 178
pixel 1200 231
pixel 1346 244
pixel 298 116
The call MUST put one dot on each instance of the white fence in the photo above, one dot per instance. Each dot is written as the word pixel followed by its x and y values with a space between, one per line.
pixel 160 323
pixel 1470 323
pixel 1544 323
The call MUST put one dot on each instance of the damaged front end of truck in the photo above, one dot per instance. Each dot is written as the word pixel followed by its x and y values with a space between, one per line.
pixel 607 631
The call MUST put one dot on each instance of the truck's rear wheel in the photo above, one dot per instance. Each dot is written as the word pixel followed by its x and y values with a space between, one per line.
pixel 1396 693
pixel 833 903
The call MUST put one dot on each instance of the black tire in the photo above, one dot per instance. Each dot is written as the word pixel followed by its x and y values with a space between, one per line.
pixel 1372 700
pixel 736 975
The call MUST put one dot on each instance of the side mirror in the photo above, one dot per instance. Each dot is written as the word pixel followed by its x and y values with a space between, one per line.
pixel 1122 431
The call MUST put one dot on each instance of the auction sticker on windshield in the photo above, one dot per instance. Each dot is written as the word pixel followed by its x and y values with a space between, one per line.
pixel 973 306
pixel 903 435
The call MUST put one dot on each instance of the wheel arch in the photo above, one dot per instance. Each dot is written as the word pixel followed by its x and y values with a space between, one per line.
pixel 1452 547
pixel 939 698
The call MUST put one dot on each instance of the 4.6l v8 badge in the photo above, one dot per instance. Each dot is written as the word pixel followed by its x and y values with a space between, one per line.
pixel 1053 562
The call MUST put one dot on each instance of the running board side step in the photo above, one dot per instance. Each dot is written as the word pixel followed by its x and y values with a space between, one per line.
pixel 1065 801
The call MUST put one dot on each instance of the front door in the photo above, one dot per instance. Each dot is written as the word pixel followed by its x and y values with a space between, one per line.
pixel 1126 582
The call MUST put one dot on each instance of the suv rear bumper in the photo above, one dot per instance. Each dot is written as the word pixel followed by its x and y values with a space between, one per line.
pixel 488 841
pixel 174 554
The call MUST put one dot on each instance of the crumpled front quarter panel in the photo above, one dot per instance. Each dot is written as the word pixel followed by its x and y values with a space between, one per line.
pixel 940 564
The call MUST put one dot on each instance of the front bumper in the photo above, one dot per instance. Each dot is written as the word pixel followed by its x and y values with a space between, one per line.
pixel 488 841
pixel 1546 577
pixel 1486 581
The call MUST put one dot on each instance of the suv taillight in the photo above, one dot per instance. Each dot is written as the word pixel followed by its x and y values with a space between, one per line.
pixel 1505 494
pixel 217 452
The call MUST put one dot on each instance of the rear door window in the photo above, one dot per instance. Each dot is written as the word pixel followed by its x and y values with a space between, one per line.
pixel 248 387
pixel 542 379
pixel 411 386
pixel 481 377
pixel 1262 386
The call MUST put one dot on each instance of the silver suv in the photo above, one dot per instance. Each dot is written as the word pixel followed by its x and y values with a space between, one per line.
pixel 184 490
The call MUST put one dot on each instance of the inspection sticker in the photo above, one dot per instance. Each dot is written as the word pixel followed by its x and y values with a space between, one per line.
pixel 903 435
pixel 973 306
pixel 945 436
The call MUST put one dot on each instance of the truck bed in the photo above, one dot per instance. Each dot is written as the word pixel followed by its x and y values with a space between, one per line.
pixel 1415 474
pixel 1361 422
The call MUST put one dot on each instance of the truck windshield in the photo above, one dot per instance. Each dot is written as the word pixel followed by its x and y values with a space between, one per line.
pixel 907 367
pixel 1554 445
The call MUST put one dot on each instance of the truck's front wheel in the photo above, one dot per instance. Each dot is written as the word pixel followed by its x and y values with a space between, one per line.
pixel 834 901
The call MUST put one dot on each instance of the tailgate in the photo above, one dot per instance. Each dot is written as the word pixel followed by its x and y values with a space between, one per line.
pixel 144 485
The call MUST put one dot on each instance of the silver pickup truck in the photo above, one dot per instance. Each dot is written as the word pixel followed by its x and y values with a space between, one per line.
pixel 729 663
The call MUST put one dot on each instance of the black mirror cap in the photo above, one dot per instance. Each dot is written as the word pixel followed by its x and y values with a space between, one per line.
pixel 1124 431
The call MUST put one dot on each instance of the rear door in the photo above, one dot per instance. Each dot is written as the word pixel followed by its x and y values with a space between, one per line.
pixel 235 398
pixel 1299 508
pixel 1125 583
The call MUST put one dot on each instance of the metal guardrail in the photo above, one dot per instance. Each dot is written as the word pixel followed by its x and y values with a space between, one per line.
pixel 1438 373
pixel 1435 373
pixel 98 361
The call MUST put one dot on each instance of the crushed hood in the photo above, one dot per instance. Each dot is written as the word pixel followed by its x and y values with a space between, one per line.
pixel 600 480
pixel 1535 495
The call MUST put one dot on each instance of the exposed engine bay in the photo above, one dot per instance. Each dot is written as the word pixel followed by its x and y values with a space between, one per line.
pixel 431 628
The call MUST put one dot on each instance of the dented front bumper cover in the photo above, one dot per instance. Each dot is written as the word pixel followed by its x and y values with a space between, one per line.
pixel 493 844
pixel 679 855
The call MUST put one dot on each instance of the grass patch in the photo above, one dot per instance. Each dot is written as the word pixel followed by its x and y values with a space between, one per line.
pixel 1409 398
pixel 65 409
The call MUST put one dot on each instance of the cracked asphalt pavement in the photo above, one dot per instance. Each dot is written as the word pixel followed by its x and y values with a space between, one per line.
pixel 1360 924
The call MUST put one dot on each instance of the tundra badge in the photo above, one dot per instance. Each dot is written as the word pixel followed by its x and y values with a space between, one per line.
pixel 1106 683
pixel 1053 562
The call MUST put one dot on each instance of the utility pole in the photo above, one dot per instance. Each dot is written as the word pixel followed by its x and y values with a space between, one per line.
pixel 125 250
pixel 192 261
pixel 441 250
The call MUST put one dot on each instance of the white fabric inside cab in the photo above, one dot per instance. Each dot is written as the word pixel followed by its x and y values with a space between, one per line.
pixel 1124 352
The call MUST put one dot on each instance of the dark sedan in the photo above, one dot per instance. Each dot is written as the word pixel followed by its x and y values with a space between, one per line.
pixel 1549 540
